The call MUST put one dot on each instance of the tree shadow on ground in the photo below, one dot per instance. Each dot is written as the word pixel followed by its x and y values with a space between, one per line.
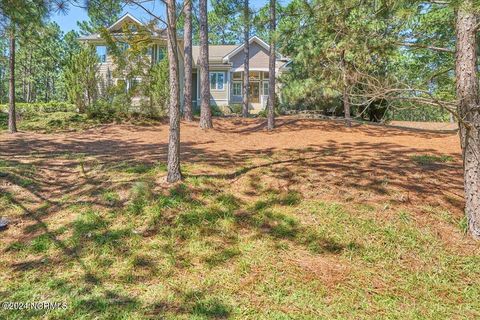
pixel 73 167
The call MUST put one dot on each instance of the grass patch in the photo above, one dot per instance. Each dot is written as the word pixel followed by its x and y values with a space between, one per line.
pixel 205 249
pixel 56 121
pixel 427 159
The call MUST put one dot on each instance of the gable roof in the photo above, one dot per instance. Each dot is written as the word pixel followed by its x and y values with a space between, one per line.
pixel 127 17
pixel 239 48
pixel 117 26
pixel 221 54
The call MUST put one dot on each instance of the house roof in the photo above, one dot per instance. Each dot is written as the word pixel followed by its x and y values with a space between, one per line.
pixel 221 54
pixel 215 52
pixel 117 26
pixel 238 48
pixel 127 17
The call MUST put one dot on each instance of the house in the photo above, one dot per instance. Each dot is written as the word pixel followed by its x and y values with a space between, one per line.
pixel 226 65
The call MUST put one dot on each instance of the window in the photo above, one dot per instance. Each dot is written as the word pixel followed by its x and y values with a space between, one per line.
pixel 216 80
pixel 123 46
pixel 265 88
pixel 133 84
pixel 158 53
pixel 265 75
pixel 237 89
pixel 254 75
pixel 237 76
pixel 101 53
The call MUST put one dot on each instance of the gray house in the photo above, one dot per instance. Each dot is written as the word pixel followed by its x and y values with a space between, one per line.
pixel 226 64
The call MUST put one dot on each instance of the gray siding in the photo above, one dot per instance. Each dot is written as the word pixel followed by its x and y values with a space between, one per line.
pixel 258 57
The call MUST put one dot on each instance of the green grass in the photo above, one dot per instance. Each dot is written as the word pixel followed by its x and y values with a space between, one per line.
pixel 202 250
pixel 427 159
pixel 51 122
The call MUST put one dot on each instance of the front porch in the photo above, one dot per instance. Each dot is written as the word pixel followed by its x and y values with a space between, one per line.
pixel 226 88
pixel 258 88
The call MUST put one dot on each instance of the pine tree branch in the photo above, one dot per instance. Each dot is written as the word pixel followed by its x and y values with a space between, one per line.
pixel 423 46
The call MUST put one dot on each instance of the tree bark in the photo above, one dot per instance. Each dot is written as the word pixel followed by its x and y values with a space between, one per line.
pixel 12 120
pixel 469 111
pixel 246 64
pixel 187 38
pixel 173 165
pixel 205 112
pixel 345 93
pixel 271 70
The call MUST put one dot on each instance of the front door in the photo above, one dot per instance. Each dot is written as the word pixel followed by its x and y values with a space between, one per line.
pixel 254 92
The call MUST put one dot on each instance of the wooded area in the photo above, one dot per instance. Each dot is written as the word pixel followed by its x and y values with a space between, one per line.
pixel 363 62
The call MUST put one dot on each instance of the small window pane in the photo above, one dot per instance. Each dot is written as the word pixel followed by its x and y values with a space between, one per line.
pixel 237 76
pixel 237 89
pixel 220 77
pixel 213 81
pixel 265 88
pixel 102 53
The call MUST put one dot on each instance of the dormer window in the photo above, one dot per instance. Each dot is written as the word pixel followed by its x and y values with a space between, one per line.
pixel 132 28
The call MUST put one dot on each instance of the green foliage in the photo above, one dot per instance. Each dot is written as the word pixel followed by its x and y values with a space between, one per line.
pixel 416 113
pixel 101 14
pixel 81 78
pixel 159 85
pixel 54 121
pixel 426 159
pixel 32 109
pixel 353 47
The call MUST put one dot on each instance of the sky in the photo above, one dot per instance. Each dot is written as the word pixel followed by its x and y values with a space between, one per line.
pixel 68 21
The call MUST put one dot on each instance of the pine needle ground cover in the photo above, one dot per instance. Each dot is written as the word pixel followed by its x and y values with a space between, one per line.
pixel 311 221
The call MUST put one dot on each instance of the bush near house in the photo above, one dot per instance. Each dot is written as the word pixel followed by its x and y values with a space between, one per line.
pixel 30 109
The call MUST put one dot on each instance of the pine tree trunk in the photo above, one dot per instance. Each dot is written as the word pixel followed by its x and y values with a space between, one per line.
pixel 346 94
pixel 246 65
pixel 187 37
pixel 12 121
pixel 469 111
pixel 271 70
pixel 205 112
pixel 173 165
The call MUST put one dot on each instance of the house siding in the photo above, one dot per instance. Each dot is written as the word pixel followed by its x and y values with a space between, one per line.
pixel 257 54
pixel 217 97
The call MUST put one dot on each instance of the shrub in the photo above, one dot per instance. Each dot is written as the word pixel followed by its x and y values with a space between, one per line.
pixel 26 110
pixel 101 110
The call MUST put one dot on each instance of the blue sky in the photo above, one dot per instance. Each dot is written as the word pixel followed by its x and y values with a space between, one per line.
pixel 69 20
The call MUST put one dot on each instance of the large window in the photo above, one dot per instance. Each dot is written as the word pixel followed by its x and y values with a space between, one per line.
pixel 216 80
pixel 102 53
pixel 237 89
pixel 265 88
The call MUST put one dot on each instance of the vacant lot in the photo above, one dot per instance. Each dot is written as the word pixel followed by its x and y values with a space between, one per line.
pixel 313 220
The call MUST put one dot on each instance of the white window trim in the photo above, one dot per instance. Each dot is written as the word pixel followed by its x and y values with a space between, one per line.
pixel 210 84
pixel 233 92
